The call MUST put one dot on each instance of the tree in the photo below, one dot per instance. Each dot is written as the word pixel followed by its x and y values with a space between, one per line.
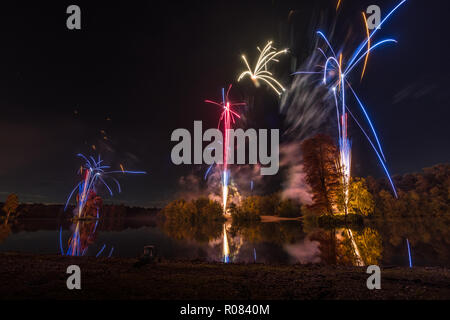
pixel 11 205
pixel 360 200
pixel 251 205
pixel 248 210
pixel 319 162
pixel 419 194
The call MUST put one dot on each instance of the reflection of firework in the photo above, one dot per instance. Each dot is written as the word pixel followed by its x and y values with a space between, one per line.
pixel 94 173
pixel 335 75
pixel 83 236
pixel 228 115
pixel 226 249
pixel 260 72
pixel 359 261
pixel 409 253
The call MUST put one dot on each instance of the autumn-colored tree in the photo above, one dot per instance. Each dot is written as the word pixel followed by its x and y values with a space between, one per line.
pixel 360 200
pixel 251 205
pixel 198 210
pixel 425 193
pixel 248 210
pixel 319 161
pixel 11 205
pixel 199 219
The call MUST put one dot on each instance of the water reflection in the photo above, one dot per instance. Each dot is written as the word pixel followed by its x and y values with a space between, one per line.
pixel 345 246
pixel 226 248
pixel 285 242
pixel 5 231
pixel 83 235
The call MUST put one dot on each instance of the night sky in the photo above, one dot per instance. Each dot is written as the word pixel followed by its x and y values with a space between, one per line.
pixel 139 71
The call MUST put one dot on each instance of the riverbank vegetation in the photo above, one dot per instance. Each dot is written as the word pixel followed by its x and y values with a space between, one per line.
pixel 253 207
pixel 424 193
pixel 200 219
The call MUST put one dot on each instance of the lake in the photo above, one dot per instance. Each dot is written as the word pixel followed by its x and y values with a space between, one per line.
pixel 287 242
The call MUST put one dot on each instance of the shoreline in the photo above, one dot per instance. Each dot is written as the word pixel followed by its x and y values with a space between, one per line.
pixel 266 218
pixel 33 276
pixel 276 219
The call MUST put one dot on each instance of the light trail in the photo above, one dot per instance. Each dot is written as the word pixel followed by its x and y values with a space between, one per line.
pixel 260 72
pixel 94 174
pixel 368 44
pixel 227 118
pixel 335 76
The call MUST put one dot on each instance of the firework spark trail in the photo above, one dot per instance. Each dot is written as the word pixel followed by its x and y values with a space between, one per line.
pixel 368 45
pixel 260 72
pixel 94 174
pixel 334 69
pixel 226 118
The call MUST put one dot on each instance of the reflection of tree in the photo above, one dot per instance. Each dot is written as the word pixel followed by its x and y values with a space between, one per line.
pixel 429 238
pixel 10 206
pixel 338 247
pixel 327 245
pixel 187 230
pixel 248 230
pixel 199 219
pixel 273 232
pixel 369 245
pixel 5 231
pixel 83 235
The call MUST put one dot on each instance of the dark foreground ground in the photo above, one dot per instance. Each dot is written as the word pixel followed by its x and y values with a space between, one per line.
pixel 26 276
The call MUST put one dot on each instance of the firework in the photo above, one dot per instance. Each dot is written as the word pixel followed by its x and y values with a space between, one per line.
pixel 335 76
pixel 227 117
pixel 95 174
pixel 268 55
pixel 368 45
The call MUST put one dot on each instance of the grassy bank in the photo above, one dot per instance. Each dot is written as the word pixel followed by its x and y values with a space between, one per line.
pixel 26 276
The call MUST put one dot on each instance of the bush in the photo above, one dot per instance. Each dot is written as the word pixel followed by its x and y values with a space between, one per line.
pixel 199 210
pixel 199 219
pixel 243 213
